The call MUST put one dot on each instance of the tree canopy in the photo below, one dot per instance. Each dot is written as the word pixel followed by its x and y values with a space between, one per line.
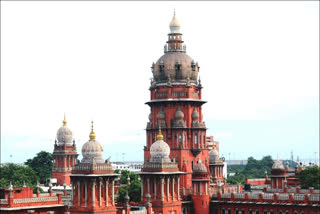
pixel 253 169
pixel 17 175
pixel 42 164
pixel 134 189
pixel 310 177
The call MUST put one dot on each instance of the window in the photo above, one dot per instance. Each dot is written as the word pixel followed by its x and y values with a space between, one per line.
pixel 180 137
pixel 196 139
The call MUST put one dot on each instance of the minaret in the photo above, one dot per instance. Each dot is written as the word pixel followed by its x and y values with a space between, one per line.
pixel 176 105
pixel 200 187
pixel 160 179
pixel 278 175
pixel 93 181
pixel 216 167
pixel 64 154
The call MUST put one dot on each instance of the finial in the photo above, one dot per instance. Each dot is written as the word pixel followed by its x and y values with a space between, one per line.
pixel 92 135
pixel 214 147
pixel 159 136
pixel 64 120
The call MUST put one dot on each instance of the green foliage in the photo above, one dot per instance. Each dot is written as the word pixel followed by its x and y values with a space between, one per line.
pixel 310 177
pixel 134 189
pixel 42 164
pixel 253 169
pixel 17 175
pixel 125 174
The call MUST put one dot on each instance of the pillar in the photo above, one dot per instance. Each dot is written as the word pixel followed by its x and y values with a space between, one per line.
pixel 162 188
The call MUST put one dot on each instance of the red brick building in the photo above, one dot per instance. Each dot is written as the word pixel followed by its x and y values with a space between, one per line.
pixel 179 175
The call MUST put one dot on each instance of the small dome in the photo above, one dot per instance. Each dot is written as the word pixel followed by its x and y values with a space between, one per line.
pixel 179 115
pixel 195 114
pixel 199 167
pixel 64 134
pixel 161 115
pixel 150 116
pixel 174 24
pixel 92 150
pixel 213 155
pixel 160 150
pixel 277 164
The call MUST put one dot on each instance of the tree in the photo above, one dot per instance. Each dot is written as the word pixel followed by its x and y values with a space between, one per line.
pixel 310 177
pixel 42 164
pixel 18 175
pixel 134 189
pixel 253 169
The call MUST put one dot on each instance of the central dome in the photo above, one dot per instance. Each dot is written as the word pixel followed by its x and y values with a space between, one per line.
pixel 177 66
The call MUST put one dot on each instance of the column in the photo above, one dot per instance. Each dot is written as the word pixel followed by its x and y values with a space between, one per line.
pixel 112 189
pixel 93 192
pixel 86 193
pixel 100 184
pixel 155 188
pixel 72 192
pixel 79 193
pixel 178 188
pixel 64 162
pixel 162 188
pixel 148 183
pixel 168 190
pixel 142 184
pixel 173 188
pixel 107 184
pixel 206 188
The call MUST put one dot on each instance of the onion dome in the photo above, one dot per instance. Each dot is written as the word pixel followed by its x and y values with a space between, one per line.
pixel 92 150
pixel 214 155
pixel 160 150
pixel 195 114
pixel 150 116
pixel 174 24
pixel 161 115
pixel 200 167
pixel 64 134
pixel 179 115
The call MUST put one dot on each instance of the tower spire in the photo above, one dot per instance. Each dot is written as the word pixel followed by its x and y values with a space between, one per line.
pixel 159 136
pixel 92 135
pixel 64 120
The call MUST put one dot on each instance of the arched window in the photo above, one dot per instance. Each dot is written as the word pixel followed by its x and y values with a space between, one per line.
pixel 180 137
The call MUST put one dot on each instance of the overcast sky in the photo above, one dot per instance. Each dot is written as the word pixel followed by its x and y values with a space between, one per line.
pixel 91 60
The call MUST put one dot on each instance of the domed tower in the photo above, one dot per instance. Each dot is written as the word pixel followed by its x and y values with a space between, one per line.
pixel 160 179
pixel 278 175
pixel 200 185
pixel 216 166
pixel 176 106
pixel 93 181
pixel 64 154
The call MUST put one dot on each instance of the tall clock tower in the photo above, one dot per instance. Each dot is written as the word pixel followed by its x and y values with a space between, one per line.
pixel 176 106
